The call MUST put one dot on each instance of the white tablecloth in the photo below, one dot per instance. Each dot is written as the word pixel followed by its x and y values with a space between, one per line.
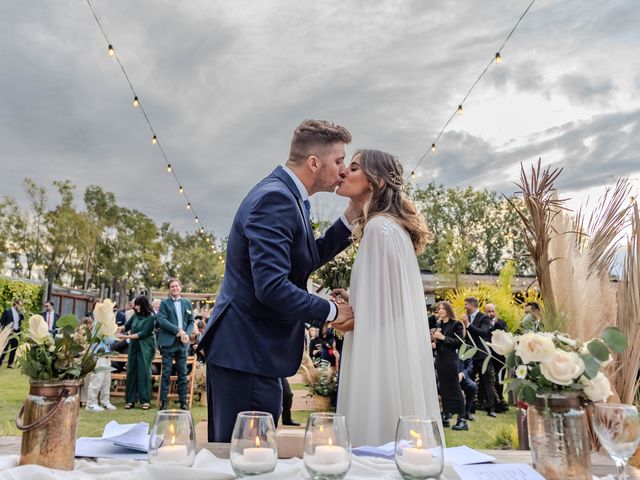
pixel 206 467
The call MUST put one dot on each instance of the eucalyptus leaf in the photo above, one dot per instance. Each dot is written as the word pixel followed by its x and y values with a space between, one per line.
pixel 591 366
pixel 598 350
pixel 615 339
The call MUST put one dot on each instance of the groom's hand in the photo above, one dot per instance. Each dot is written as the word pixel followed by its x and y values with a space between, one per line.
pixel 345 312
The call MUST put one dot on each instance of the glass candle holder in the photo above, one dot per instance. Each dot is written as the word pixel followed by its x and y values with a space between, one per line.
pixel 327 448
pixel 172 440
pixel 254 449
pixel 419 453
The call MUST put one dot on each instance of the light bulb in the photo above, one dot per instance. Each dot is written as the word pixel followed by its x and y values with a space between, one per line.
pixel 197 220
pixel 413 174
pixel 111 51
pixel 169 168
pixel 189 206
pixel 433 147
pixel 154 140
pixel 460 110
pixel 136 102
pixel 498 58
pixel 180 189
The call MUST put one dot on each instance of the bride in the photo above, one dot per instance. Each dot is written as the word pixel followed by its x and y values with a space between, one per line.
pixel 387 364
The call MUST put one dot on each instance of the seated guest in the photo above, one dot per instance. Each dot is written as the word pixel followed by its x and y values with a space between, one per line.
pixel 447 338
pixel 323 347
pixel 142 349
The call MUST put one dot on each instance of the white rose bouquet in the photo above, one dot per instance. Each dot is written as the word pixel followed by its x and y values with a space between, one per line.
pixel 551 363
pixel 71 354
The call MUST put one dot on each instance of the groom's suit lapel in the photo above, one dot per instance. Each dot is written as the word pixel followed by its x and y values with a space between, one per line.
pixel 311 242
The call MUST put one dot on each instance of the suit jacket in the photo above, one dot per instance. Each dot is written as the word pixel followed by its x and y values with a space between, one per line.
pixel 500 325
pixel 7 318
pixel 56 316
pixel 167 319
pixel 257 324
pixel 480 328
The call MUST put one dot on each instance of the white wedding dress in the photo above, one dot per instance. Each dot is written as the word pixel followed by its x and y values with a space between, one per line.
pixel 387 363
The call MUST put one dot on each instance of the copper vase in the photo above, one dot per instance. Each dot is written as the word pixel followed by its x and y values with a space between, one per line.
pixel 48 421
pixel 558 438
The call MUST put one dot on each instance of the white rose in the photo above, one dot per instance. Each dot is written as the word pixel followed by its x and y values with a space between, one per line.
pixel 108 329
pixel 598 389
pixel 103 311
pixel 533 347
pixel 38 329
pixel 521 371
pixel 562 367
pixel 502 342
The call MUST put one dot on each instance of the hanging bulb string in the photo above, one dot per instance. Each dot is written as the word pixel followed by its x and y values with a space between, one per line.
pixel 494 59
pixel 155 140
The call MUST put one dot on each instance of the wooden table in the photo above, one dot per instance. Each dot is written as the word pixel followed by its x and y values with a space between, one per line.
pixel 602 464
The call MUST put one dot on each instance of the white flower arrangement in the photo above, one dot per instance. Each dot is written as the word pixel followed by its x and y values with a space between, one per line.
pixel 546 363
pixel 72 353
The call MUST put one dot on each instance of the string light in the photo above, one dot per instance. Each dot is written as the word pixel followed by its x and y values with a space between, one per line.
pixel 497 58
pixel 136 102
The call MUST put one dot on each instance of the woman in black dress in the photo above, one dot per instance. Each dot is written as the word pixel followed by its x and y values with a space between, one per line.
pixel 447 338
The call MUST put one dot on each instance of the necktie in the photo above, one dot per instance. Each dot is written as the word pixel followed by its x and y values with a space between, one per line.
pixel 307 206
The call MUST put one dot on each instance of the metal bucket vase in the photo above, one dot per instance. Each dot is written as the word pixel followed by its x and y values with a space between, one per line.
pixel 559 439
pixel 48 421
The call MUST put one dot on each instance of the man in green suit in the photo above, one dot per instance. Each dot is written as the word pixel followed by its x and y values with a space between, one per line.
pixel 175 319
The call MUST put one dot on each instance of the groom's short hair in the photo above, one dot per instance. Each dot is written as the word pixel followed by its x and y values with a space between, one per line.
pixel 311 134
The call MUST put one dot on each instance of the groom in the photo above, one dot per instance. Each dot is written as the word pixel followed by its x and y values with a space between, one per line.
pixel 255 334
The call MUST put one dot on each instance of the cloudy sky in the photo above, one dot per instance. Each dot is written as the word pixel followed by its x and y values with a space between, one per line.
pixel 226 82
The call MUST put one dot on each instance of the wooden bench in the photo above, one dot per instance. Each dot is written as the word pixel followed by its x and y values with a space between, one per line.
pixel 119 379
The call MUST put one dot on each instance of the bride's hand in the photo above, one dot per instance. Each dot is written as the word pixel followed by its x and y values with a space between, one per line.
pixel 346 326
pixel 339 295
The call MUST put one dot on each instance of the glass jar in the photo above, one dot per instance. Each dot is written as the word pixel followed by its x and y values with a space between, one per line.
pixel 172 440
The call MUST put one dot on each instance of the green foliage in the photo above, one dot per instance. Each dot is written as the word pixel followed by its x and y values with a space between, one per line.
pixel 30 294
pixel 337 272
pixel 505 438
pixel 327 381
pixel 483 227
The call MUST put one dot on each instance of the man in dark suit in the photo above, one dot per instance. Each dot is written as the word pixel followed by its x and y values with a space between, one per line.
pixel 255 335
pixel 50 316
pixel 498 360
pixel 175 319
pixel 479 326
pixel 468 386
pixel 12 316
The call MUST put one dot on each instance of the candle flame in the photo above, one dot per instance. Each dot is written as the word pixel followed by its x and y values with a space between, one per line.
pixel 418 438
pixel 330 442
pixel 172 431
pixel 258 442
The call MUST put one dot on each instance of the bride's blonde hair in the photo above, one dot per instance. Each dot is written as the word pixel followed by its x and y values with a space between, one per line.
pixel 384 171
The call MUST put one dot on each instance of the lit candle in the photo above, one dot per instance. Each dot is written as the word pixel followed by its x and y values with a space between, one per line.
pixel 418 461
pixel 172 453
pixel 329 459
pixel 255 460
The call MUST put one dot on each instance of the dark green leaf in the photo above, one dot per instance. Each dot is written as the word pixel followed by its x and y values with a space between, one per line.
pixel 591 366
pixel 529 395
pixel 615 339
pixel 598 350
pixel 510 360
pixel 514 385
pixel 67 321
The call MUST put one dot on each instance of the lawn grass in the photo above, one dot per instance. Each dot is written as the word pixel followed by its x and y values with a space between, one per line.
pixel 14 389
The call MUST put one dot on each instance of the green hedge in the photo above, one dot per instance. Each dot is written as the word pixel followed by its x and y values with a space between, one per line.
pixel 29 293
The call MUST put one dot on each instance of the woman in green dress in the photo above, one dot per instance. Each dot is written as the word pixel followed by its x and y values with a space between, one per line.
pixel 142 349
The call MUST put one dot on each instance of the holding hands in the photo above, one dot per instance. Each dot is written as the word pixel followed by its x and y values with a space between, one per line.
pixel 345 321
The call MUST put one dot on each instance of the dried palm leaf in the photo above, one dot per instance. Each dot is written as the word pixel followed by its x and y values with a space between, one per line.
pixel 626 380
pixel 4 337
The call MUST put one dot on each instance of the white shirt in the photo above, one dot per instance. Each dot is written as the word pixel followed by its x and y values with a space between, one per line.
pixel 304 194
pixel 178 306
pixel 473 316
pixel 16 319
pixel 50 320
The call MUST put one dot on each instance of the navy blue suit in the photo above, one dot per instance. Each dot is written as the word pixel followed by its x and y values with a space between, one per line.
pixel 255 334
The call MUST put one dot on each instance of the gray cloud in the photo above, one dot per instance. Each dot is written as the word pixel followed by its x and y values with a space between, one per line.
pixel 226 82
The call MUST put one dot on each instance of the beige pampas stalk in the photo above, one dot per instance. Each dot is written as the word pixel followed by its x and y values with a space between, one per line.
pixel 4 337
pixel 626 379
